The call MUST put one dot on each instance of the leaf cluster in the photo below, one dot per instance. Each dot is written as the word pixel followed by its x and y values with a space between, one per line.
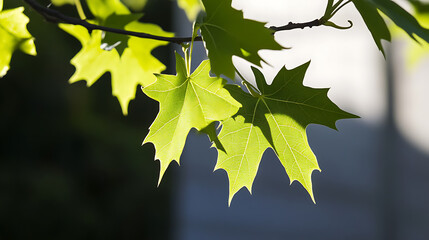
pixel 250 119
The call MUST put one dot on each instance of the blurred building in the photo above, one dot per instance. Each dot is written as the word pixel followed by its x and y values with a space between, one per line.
pixel 374 169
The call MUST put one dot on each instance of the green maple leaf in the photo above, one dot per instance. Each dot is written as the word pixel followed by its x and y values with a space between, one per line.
pixel 135 5
pixel 276 117
pixel 227 33
pixel 91 61
pixel 374 22
pixel 102 9
pixel 378 28
pixel 186 102
pixel 402 18
pixel 415 51
pixel 191 7
pixel 418 51
pixel 138 65
pixel 13 35
pixel 120 22
pixel 128 59
pixel 63 2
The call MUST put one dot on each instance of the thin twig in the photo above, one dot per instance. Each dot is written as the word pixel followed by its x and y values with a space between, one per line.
pixel 52 15
pixel 291 25
pixel 55 16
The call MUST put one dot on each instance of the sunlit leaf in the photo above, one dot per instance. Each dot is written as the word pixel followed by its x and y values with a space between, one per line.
pixel 138 65
pixel 378 28
pixel 374 21
pixel 226 34
pixel 276 118
pixel 62 2
pixel 185 102
pixel 13 35
pixel 191 7
pixel 134 67
pixel 102 9
pixel 135 5
pixel 402 19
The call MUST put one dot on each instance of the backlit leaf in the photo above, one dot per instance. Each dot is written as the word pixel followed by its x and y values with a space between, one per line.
pixel 402 19
pixel 133 66
pixel 185 102
pixel 417 52
pixel 102 9
pixel 62 2
pixel 276 118
pixel 226 33
pixel 13 35
pixel 191 7
pixel 91 62
pixel 137 66
pixel 374 21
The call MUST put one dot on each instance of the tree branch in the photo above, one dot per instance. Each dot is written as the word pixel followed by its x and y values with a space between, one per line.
pixel 57 17
pixel 52 15
pixel 291 25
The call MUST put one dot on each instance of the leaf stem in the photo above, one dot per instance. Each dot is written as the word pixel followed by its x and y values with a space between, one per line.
pixel 329 6
pixel 341 6
pixel 252 89
pixel 336 5
pixel 79 9
pixel 185 49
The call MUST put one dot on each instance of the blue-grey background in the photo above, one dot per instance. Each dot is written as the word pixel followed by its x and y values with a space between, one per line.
pixel 71 166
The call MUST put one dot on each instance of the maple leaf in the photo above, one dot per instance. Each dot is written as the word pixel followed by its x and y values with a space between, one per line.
pixel 63 2
pixel 102 9
pixel 91 61
pixel 227 33
pixel 418 51
pixel 191 7
pixel 135 5
pixel 374 22
pixel 276 117
pixel 415 51
pixel 186 102
pixel 402 18
pixel 378 28
pixel 120 41
pixel 13 35
pixel 128 59
pixel 137 65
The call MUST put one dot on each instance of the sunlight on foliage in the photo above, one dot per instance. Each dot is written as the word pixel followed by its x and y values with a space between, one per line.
pixel 135 5
pixel 185 102
pixel 267 116
pixel 13 35
pixel 374 21
pixel 227 34
pixel 378 28
pixel 62 2
pixel 128 59
pixel 276 117
pixel 102 9
pixel 415 51
pixel 191 7
pixel 418 51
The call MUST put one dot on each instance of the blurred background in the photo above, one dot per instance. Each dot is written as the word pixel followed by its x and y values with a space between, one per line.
pixel 72 167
